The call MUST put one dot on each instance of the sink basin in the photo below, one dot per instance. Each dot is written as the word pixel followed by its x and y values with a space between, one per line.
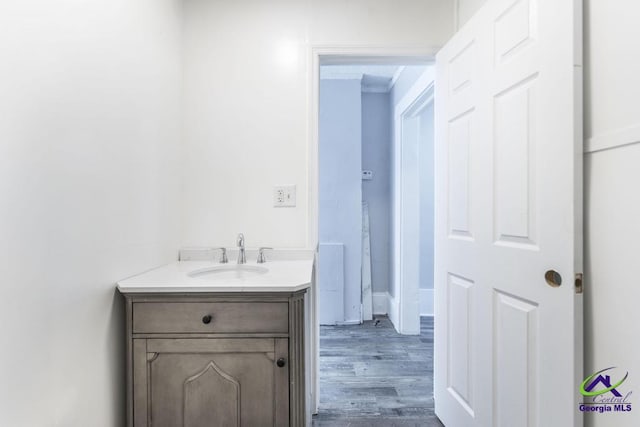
pixel 233 271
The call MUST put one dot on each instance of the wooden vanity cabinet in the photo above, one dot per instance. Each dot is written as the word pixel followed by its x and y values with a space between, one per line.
pixel 196 360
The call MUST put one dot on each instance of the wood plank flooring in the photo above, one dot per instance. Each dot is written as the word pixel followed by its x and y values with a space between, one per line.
pixel 372 376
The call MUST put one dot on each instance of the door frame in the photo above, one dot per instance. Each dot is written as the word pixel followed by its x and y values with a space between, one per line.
pixel 404 305
pixel 333 55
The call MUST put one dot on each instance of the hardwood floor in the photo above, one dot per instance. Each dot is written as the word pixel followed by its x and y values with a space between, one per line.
pixel 372 376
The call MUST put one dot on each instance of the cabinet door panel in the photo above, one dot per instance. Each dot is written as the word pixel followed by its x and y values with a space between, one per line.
pixel 211 384
pixel 225 383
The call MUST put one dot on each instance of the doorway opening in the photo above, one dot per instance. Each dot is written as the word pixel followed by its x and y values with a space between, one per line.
pixel 375 234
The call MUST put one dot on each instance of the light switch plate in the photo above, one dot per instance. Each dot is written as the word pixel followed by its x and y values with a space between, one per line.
pixel 284 196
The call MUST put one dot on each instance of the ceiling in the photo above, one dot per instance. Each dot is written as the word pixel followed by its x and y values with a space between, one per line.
pixel 345 71
pixel 374 78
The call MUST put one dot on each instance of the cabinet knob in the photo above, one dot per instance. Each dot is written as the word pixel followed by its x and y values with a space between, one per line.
pixel 206 319
pixel 281 362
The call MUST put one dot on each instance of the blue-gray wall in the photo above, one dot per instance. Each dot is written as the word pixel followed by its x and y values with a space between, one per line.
pixel 340 182
pixel 376 156
pixel 355 124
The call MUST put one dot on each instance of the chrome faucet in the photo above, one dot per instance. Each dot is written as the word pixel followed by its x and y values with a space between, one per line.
pixel 242 258
pixel 261 258
pixel 223 255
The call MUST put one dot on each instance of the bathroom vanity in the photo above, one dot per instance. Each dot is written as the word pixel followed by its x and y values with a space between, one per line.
pixel 217 344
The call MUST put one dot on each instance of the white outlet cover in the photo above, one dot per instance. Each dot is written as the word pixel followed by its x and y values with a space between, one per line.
pixel 284 196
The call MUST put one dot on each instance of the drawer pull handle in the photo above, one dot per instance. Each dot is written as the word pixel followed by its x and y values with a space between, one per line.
pixel 281 362
pixel 206 319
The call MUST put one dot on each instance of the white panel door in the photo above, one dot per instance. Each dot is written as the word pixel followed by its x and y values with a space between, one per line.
pixel 508 349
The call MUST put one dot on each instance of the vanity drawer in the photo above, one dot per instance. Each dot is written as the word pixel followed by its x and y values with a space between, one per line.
pixel 211 317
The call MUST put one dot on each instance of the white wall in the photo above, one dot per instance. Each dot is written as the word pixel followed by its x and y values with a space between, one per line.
pixel 376 156
pixel 426 154
pixel 247 100
pixel 406 196
pixel 340 188
pixel 89 183
pixel 245 121
pixel 405 81
pixel 407 78
pixel 465 9
pixel 612 200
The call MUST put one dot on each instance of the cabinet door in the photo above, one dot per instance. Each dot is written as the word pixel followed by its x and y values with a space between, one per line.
pixel 210 382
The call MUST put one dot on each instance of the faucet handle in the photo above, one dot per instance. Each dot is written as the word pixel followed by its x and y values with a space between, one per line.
pixel 261 258
pixel 240 240
pixel 223 255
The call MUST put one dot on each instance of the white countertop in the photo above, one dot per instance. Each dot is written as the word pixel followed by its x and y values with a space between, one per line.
pixel 282 276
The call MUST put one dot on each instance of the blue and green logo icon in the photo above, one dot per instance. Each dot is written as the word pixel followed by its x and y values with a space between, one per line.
pixel 602 392
pixel 589 384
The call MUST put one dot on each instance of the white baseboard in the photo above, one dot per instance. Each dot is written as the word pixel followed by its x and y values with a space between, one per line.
pixel 426 302
pixel 349 322
pixel 381 303
pixel 394 311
